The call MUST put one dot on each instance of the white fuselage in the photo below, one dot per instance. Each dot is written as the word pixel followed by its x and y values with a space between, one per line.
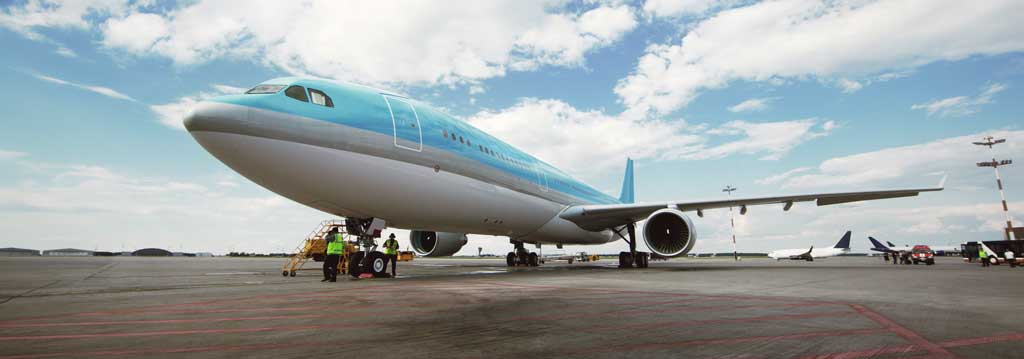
pixel 815 253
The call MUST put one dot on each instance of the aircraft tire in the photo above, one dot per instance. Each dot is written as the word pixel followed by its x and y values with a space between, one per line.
pixel 510 259
pixel 625 260
pixel 291 274
pixel 534 261
pixel 376 264
pixel 284 273
pixel 355 268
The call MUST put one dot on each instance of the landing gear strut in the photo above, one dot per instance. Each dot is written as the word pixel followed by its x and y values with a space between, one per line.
pixel 520 257
pixel 631 258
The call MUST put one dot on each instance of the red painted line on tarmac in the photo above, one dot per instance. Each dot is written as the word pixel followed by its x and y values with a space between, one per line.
pixel 912 348
pixel 771 338
pixel 694 323
pixel 982 340
pixel 188 332
pixel 903 349
pixel 625 291
pixel 672 310
pixel 907 334
pixel 165 350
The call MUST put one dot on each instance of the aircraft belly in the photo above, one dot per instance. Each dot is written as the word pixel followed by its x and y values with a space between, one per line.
pixel 356 185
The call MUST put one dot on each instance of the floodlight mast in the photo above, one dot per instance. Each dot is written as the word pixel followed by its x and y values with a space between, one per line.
pixel 732 223
pixel 989 142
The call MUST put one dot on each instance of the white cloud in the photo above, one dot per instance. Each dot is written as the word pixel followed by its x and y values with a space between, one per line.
pixel 798 39
pixel 11 155
pixel 676 8
pixel 105 91
pixel 588 143
pixel 774 139
pixel 28 17
pixel 172 114
pixel 960 105
pixel 849 86
pixel 66 52
pixel 908 164
pixel 476 40
pixel 782 176
pixel 135 33
pixel 585 143
pixel 753 105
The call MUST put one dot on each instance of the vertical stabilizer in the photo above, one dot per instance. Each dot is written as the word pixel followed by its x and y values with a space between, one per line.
pixel 627 184
pixel 844 243
pixel 876 244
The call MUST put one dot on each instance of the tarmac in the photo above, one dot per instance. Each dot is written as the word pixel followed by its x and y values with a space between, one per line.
pixel 470 308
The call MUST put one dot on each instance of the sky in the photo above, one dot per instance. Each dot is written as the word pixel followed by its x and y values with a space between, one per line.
pixel 774 97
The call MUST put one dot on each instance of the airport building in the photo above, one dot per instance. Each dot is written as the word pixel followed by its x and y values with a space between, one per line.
pixel 18 252
pixel 152 252
pixel 68 252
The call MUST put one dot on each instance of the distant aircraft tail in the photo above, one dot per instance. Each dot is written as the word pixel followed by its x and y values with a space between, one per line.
pixel 876 244
pixel 628 184
pixel 890 244
pixel 844 242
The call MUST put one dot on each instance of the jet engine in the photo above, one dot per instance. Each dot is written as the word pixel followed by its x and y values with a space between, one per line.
pixel 436 244
pixel 669 232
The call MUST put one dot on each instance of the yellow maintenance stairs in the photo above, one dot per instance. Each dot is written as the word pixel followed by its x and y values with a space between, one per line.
pixel 314 247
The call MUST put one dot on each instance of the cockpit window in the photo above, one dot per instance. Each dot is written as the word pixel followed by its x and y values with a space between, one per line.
pixel 297 92
pixel 265 89
pixel 320 98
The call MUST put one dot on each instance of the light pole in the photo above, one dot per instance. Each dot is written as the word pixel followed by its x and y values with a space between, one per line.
pixel 990 141
pixel 732 223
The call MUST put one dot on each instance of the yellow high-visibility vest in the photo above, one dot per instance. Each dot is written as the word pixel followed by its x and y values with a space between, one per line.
pixel 337 246
pixel 390 247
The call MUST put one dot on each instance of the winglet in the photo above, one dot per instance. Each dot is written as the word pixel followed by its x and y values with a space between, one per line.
pixel 942 182
pixel 845 241
pixel 628 192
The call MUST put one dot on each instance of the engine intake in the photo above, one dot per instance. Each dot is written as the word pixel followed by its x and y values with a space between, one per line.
pixel 436 244
pixel 669 232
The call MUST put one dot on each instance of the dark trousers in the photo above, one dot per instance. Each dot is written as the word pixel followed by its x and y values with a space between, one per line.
pixel 393 258
pixel 1012 262
pixel 984 262
pixel 895 258
pixel 331 267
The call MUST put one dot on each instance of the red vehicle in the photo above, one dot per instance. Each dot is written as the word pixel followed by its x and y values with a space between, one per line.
pixel 922 253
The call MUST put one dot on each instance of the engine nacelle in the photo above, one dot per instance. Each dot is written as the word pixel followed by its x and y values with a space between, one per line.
pixel 436 244
pixel 669 232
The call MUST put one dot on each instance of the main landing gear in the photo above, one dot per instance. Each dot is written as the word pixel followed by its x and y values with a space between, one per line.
pixel 631 258
pixel 520 257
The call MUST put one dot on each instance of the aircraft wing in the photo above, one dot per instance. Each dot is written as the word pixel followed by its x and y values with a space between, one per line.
pixel 599 217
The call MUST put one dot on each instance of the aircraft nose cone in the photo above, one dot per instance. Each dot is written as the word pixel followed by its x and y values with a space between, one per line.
pixel 209 116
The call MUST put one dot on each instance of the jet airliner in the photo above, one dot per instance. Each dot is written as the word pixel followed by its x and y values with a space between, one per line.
pixel 374 156
pixel 841 247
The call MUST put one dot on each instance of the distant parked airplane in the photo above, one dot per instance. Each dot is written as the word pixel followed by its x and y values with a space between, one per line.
pixel 940 250
pixel 843 246
pixel 378 158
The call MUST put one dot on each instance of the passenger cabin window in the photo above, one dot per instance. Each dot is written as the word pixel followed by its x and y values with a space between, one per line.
pixel 320 98
pixel 297 92
pixel 264 89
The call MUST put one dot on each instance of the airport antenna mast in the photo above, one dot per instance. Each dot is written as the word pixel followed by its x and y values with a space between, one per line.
pixel 732 223
pixel 995 164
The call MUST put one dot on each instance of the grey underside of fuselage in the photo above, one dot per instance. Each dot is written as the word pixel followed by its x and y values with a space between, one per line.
pixel 298 129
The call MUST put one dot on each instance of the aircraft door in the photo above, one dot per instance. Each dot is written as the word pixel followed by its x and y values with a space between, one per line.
pixel 542 179
pixel 406 122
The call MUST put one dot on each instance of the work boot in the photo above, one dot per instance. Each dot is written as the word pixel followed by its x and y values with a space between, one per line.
pixel 325 279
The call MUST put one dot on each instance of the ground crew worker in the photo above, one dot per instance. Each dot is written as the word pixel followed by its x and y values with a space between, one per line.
pixel 391 253
pixel 895 256
pixel 886 256
pixel 335 248
pixel 983 257
pixel 327 242
pixel 1009 258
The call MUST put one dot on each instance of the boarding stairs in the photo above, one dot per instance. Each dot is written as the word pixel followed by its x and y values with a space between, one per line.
pixel 314 246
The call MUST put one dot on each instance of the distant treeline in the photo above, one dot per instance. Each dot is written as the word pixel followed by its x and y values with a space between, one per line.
pixel 268 255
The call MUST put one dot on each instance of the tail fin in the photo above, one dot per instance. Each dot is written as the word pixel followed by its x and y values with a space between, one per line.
pixel 627 184
pixel 875 243
pixel 845 241
pixel 890 244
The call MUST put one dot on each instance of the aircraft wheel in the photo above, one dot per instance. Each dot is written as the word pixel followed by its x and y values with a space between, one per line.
pixel 534 260
pixel 625 260
pixel 510 259
pixel 376 264
pixel 354 266
pixel 642 260
pixel 285 273
pixel 291 274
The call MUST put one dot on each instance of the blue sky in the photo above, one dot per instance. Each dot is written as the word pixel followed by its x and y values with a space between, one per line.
pixel 776 97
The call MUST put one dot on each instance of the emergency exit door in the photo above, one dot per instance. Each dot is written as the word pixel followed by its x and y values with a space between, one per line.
pixel 406 124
